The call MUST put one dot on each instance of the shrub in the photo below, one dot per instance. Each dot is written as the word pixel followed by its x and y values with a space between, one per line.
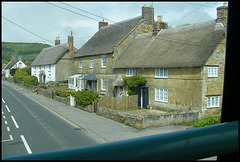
pixel 30 81
pixel 63 93
pixel 85 97
pixel 19 75
pixel 207 121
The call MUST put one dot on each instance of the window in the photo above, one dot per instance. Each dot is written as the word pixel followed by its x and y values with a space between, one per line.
pixel 130 72
pixel 103 84
pixel 213 101
pixel 103 61
pixel 212 71
pixel 80 63
pixel 161 95
pixel 161 73
pixel 91 62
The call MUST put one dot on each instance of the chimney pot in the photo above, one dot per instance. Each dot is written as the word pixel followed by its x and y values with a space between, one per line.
pixel 144 5
pixel 44 46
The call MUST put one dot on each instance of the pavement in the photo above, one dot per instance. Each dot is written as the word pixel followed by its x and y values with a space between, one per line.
pixel 103 129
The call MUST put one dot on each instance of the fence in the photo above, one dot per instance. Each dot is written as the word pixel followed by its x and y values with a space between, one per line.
pixel 119 103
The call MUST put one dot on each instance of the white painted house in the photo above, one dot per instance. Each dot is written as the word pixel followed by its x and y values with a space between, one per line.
pixel 54 63
pixel 14 64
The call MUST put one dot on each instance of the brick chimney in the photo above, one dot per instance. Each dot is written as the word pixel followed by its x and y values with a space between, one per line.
pixel 57 41
pixel 102 24
pixel 27 61
pixel 148 14
pixel 70 43
pixel 222 13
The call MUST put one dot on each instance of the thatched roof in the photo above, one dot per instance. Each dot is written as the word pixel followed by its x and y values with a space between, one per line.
pixel 108 37
pixel 187 46
pixel 50 55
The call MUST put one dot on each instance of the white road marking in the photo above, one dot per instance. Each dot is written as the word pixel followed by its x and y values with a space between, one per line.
pixel 7 108
pixel 3 100
pixel 5 122
pixel 8 129
pixel 14 121
pixel 10 139
pixel 26 144
pixel 3 116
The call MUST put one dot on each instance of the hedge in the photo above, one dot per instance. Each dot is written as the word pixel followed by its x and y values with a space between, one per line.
pixel 30 81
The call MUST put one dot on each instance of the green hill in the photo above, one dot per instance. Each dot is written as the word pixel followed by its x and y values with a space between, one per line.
pixel 27 50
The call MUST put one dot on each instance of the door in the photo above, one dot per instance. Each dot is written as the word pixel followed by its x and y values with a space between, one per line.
pixel 142 97
pixel 119 91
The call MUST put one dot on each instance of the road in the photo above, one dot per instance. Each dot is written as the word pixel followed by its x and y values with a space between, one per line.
pixel 28 127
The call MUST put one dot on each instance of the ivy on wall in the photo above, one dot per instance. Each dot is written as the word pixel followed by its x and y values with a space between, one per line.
pixel 132 83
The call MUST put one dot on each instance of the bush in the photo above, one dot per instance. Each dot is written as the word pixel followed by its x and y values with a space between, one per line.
pixel 207 121
pixel 19 75
pixel 30 81
pixel 85 97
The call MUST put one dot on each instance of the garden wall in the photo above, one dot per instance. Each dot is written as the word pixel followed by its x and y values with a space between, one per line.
pixel 143 121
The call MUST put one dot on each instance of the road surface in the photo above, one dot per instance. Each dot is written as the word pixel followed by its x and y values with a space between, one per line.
pixel 28 127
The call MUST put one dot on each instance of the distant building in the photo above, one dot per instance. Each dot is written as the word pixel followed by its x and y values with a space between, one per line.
pixel 54 63
pixel 14 63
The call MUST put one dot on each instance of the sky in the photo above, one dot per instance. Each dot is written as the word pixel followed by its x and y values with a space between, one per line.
pixel 38 22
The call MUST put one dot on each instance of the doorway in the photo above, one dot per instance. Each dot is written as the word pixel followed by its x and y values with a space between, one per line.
pixel 143 100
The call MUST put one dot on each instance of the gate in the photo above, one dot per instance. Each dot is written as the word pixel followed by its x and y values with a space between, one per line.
pixel 72 100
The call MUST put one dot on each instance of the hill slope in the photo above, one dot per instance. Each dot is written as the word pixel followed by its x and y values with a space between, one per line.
pixel 27 50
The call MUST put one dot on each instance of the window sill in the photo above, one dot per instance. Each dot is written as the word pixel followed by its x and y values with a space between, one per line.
pixel 160 78
pixel 161 101
pixel 213 107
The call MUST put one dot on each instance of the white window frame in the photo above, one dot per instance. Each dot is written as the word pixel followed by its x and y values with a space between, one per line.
pixel 130 72
pixel 103 84
pixel 80 63
pixel 91 62
pixel 212 72
pixel 213 101
pixel 161 73
pixel 161 94
pixel 104 61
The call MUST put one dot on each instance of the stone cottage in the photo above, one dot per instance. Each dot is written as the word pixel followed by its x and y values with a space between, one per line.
pixel 184 66
pixel 54 63
pixel 93 61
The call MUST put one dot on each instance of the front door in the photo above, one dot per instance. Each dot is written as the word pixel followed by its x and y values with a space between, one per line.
pixel 92 85
pixel 142 97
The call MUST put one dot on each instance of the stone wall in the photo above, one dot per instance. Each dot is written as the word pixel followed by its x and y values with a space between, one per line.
pixel 88 108
pixel 144 121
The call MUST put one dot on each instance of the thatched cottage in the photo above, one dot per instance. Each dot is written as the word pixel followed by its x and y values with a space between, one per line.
pixel 184 67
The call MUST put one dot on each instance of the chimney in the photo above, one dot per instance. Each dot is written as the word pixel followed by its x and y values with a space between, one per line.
pixel 20 57
pixel 102 24
pixel 57 41
pixel 148 14
pixel 222 13
pixel 44 46
pixel 27 61
pixel 160 24
pixel 70 43
pixel 160 19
